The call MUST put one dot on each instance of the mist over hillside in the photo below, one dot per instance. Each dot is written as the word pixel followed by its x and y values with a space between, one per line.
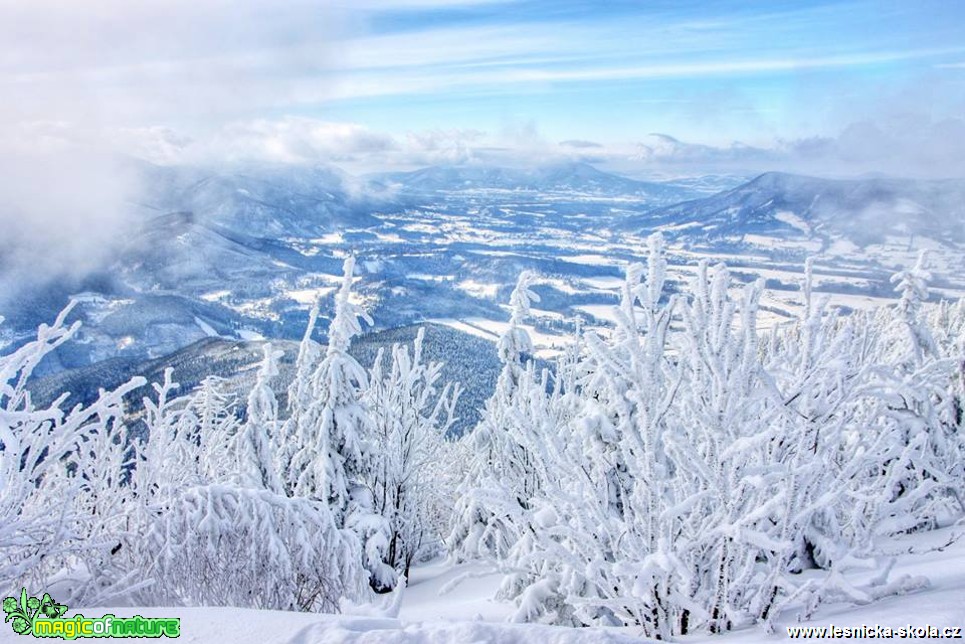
pixel 243 254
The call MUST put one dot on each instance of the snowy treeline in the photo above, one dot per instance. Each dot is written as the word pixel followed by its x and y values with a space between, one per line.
pixel 685 472
pixel 681 474
pixel 297 508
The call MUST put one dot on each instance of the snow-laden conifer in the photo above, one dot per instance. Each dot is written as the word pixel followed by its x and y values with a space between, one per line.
pixel 500 479
pixel 255 446
pixel 333 427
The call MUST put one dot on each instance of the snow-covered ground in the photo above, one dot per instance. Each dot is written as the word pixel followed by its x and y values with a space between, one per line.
pixel 446 603
pixel 941 604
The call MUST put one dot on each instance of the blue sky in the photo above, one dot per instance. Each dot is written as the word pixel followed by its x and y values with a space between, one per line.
pixel 698 70
pixel 416 81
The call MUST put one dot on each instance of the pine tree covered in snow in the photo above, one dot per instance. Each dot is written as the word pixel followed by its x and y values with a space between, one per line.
pixel 500 479
pixel 256 442
pixel 332 424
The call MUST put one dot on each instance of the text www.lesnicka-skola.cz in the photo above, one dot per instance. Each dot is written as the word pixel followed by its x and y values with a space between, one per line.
pixel 874 632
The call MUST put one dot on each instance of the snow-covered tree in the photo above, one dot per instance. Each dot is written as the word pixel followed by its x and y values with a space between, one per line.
pixel 608 470
pixel 205 536
pixel 411 416
pixel 686 477
pixel 912 285
pixel 500 478
pixel 332 454
pixel 182 435
pixel 332 426
pixel 255 446
pixel 296 425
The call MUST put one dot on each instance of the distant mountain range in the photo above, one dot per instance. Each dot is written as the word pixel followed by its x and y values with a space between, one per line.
pixel 573 178
pixel 241 254
pixel 269 201
pixel 864 211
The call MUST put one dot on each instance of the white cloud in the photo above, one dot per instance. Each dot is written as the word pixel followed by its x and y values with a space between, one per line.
pixel 63 211
pixel 908 144
pixel 84 82
pixel 440 146
pixel 911 146
pixel 159 61
pixel 581 144
pixel 291 140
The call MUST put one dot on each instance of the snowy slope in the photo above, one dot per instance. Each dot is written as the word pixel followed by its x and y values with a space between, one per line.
pixel 263 200
pixel 864 211
pixel 438 608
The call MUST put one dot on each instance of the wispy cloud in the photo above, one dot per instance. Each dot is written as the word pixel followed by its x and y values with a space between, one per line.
pixel 383 5
pixel 153 74
pixel 919 147
pixel 718 68
pixel 214 59
pixel 911 145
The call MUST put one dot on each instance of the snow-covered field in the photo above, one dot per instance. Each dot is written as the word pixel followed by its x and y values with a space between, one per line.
pixel 445 603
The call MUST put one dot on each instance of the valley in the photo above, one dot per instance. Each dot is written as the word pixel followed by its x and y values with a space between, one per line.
pixel 241 257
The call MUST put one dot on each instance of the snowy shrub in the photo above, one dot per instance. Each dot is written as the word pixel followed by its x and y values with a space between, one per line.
pixel 61 471
pixel 224 545
pixel 680 481
pixel 411 417
pixel 259 513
